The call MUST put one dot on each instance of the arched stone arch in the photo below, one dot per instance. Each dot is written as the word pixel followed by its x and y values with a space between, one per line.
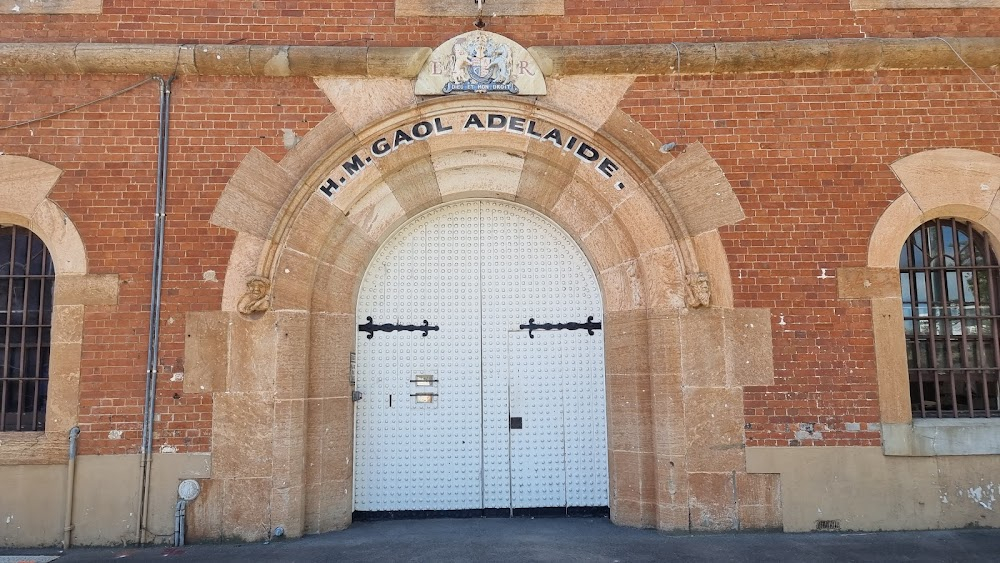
pixel 651 243
pixel 25 184
pixel 957 183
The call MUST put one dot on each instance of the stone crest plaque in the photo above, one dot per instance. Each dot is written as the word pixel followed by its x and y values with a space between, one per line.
pixel 480 61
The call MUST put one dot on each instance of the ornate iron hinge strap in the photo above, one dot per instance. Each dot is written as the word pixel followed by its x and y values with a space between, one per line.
pixel 370 327
pixel 590 326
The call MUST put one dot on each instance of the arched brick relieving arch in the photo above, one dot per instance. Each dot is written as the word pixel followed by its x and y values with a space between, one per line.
pixel 676 360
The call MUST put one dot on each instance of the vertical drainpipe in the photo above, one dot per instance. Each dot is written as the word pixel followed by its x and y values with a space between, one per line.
pixel 74 433
pixel 153 352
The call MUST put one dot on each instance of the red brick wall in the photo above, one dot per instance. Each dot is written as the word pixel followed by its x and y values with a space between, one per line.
pixel 808 157
pixel 586 22
pixel 108 152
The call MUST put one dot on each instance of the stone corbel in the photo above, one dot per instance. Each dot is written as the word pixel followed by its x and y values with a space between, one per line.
pixel 699 292
pixel 257 298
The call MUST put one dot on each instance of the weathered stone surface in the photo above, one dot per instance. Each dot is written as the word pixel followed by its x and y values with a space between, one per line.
pixel 110 58
pixel 338 287
pixel 890 360
pixel 699 190
pixel 333 130
pixel 288 510
pixel 610 243
pixel 639 145
pixel 412 180
pixel 580 208
pixel 763 56
pixel 714 429
pixel 867 283
pixel 204 515
pixel 749 349
pixel 545 174
pixel 360 102
pixel 330 366
pixel 626 337
pixel 293 281
pixel 664 344
pixel 712 259
pixel 669 421
pixel 758 489
pixel 292 354
pixel 623 287
pixel 481 171
pixel 703 355
pixel 347 247
pixel 642 217
pixel 712 501
pixel 67 323
pixel 253 196
pixel 246 509
pixel 252 362
pixel 754 517
pixel 662 280
pixel 246 253
pixel 206 351
pixel 589 99
pixel 672 489
pixel 972 177
pixel 305 235
pixel 65 245
pixel 242 436
pixel 51 7
pixel 891 231
pixel 327 61
pixel 63 406
pixel 25 183
pixel 629 413
pixel 87 290
pixel 402 62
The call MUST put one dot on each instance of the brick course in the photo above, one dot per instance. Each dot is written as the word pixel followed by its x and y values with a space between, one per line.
pixel 808 157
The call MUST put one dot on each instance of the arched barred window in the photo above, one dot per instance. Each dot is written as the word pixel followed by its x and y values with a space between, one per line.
pixel 950 279
pixel 26 283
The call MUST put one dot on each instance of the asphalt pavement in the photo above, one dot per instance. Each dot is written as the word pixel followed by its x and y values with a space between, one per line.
pixel 554 539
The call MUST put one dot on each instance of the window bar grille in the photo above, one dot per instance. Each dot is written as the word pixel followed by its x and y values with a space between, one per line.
pixel 990 259
pixel 965 380
pixel 27 278
pixel 976 304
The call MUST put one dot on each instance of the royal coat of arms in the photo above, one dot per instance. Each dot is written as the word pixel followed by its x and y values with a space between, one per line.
pixel 480 64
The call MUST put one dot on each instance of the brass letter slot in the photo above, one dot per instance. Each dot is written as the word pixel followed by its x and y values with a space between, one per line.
pixel 424 397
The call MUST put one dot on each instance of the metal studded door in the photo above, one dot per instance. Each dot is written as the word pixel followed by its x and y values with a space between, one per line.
pixel 470 410
pixel 418 425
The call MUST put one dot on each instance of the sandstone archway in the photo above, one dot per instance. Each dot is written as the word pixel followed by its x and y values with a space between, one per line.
pixel 649 229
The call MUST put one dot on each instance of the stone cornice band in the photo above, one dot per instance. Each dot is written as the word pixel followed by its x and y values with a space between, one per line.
pixel 809 55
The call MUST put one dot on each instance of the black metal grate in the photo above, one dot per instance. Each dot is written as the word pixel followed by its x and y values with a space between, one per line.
pixel 949 277
pixel 26 280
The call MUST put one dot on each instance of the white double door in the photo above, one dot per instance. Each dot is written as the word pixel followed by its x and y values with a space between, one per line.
pixel 475 412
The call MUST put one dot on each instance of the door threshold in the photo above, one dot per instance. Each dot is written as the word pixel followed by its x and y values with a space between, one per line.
pixel 541 512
